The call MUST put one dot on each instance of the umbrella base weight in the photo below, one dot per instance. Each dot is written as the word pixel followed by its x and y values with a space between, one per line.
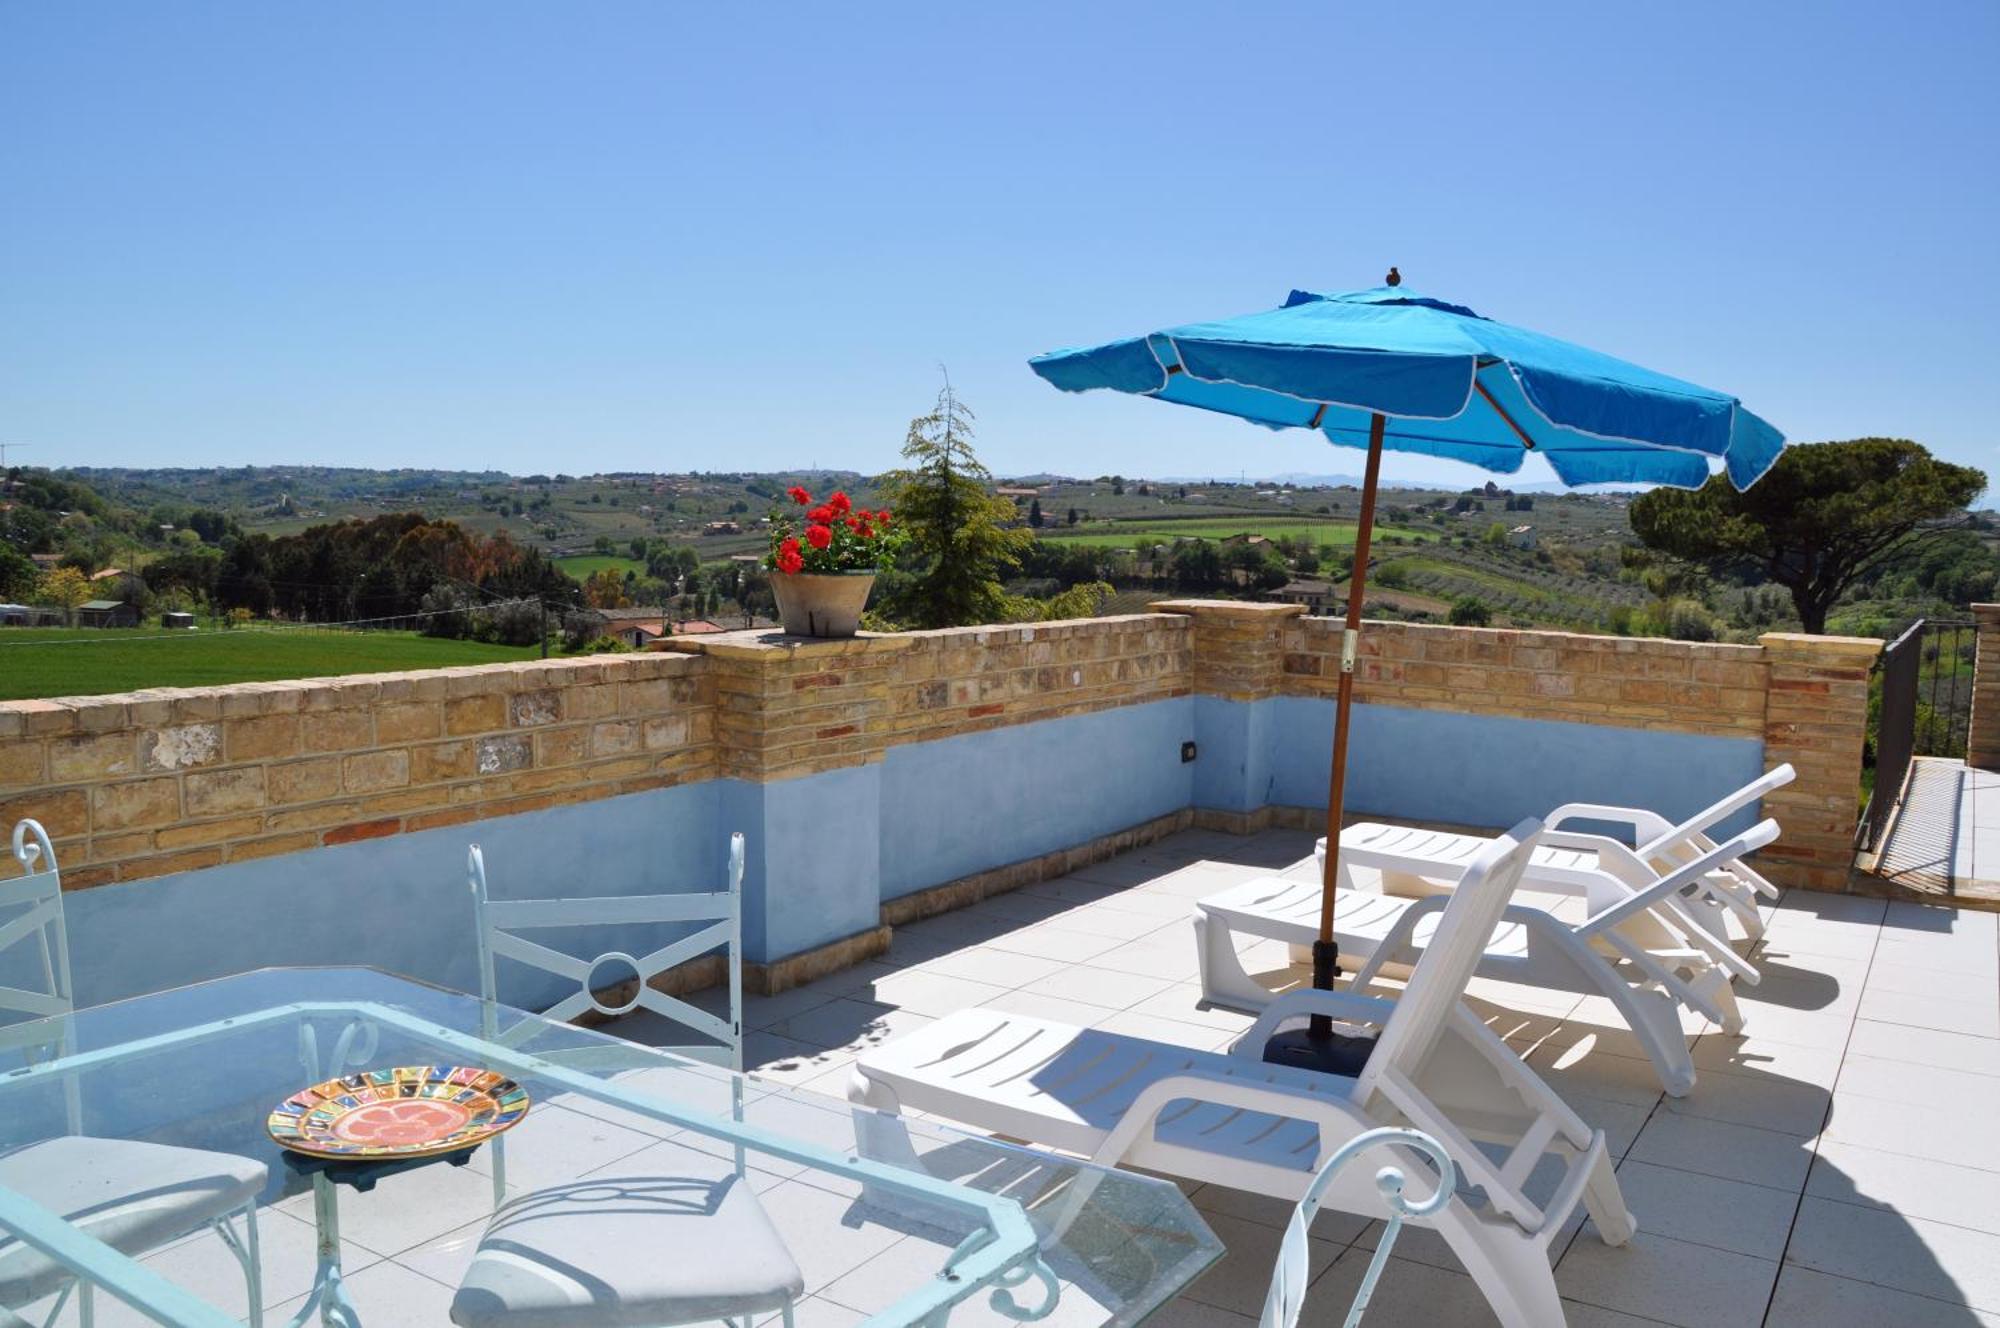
pixel 1333 1053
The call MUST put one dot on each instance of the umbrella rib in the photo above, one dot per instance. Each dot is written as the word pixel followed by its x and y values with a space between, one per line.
pixel 1501 411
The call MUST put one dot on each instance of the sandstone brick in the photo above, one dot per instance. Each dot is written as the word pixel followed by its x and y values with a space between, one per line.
pixel 181 746
pixel 92 757
pixel 529 709
pixel 440 761
pixel 209 832
pixel 303 781
pixel 408 721
pixel 371 772
pixel 62 812
pixel 499 754
pixel 22 762
pixel 475 714
pixel 125 844
pixel 213 792
pixel 244 850
pixel 141 802
pixel 335 730
pixel 261 737
pixel 165 864
pixel 614 738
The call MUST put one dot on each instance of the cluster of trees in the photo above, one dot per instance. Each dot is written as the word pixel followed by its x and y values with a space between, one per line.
pixel 382 567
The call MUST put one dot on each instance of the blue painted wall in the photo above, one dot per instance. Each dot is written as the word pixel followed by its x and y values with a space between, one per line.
pixel 399 903
pixel 1492 770
pixel 961 805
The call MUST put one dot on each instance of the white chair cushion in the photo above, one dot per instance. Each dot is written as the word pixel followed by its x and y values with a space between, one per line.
pixel 627 1252
pixel 133 1196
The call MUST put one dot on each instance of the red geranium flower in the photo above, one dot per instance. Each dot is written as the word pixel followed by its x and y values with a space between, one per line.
pixel 840 502
pixel 883 516
pixel 853 523
pixel 790 561
pixel 799 496
pixel 819 536
pixel 822 515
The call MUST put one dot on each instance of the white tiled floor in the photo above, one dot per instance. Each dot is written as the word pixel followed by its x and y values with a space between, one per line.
pixel 1839 1165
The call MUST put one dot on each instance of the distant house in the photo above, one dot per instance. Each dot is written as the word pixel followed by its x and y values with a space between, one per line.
pixel 1318 596
pixel 16 615
pixel 722 528
pixel 1016 491
pixel 638 634
pixel 106 613
pixel 47 562
pixel 177 619
pixel 107 574
pixel 1245 540
pixel 1522 537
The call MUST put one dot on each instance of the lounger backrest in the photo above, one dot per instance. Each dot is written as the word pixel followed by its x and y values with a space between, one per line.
pixel 1705 819
pixel 1441 975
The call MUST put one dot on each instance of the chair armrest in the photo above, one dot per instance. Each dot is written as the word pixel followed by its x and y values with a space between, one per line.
pixel 1661 893
pixel 1644 824
pixel 1322 1109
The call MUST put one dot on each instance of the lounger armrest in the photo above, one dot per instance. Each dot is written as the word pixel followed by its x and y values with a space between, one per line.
pixel 1322 1109
pixel 1662 894
pixel 1701 822
pixel 1645 824
pixel 1349 1006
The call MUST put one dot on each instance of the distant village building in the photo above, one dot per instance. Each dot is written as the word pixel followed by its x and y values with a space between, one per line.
pixel 722 528
pixel 1245 540
pixel 1017 491
pixel 107 574
pixel 177 619
pixel 1522 537
pixel 1317 596
pixel 16 615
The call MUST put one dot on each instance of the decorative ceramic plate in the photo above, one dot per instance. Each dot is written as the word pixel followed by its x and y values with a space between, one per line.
pixel 410 1111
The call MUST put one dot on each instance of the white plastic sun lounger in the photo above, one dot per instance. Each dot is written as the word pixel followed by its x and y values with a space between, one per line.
pixel 1725 903
pixel 1230 1119
pixel 1636 952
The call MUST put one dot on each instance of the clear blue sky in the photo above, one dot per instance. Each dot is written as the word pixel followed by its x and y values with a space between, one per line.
pixel 680 236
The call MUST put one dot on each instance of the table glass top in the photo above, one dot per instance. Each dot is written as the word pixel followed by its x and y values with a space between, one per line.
pixel 203 1066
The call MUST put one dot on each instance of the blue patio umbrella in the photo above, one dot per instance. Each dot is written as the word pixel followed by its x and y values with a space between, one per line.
pixel 1390 370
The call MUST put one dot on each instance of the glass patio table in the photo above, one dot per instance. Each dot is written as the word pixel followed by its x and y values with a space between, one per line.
pixel 896 1221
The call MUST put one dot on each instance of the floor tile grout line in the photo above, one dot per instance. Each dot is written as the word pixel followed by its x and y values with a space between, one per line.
pixel 1791 1231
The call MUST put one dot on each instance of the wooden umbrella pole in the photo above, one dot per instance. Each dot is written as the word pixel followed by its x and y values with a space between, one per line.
pixel 1325 952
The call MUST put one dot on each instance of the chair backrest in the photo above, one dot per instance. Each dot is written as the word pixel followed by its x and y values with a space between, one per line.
pixel 31 915
pixel 718 917
pixel 1439 980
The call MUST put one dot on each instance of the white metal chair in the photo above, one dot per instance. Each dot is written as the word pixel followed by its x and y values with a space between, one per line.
pixel 1293 1270
pixel 1237 1121
pixel 626 1251
pixel 1639 951
pixel 131 1195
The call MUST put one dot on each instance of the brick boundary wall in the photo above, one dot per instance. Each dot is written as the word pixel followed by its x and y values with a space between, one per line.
pixel 1805 697
pixel 1982 736
pixel 147 783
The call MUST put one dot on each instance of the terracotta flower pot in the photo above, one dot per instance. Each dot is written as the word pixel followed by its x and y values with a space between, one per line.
pixel 821 604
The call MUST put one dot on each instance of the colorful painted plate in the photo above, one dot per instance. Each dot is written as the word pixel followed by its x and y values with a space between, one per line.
pixel 410 1111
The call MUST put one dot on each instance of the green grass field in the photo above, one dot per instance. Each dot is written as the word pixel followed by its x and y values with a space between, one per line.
pixel 38 662
pixel 1125 535
pixel 584 565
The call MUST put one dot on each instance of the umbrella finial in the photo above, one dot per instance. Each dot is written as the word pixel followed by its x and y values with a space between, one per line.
pixel 1394 278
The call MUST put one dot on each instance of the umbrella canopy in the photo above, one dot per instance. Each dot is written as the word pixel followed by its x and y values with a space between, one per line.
pixel 1450 383
pixel 1388 369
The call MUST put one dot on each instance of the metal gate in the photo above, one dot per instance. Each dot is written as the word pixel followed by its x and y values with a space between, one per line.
pixel 1925 677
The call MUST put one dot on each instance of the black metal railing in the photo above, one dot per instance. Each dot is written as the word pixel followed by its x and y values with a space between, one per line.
pixel 1922 706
